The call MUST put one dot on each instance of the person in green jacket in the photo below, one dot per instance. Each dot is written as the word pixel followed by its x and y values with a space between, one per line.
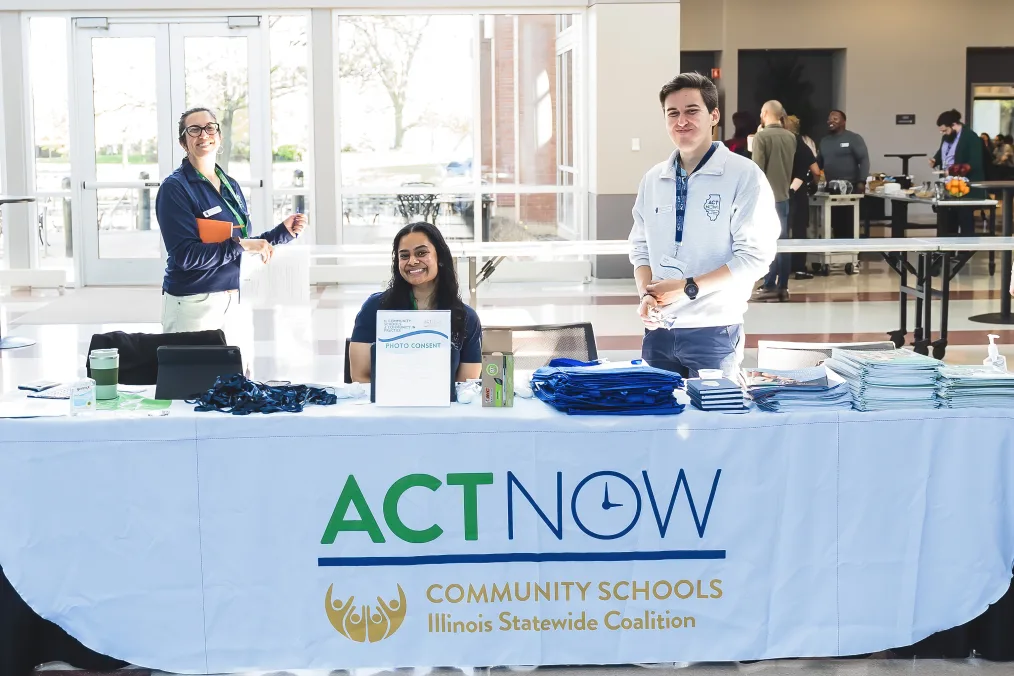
pixel 960 145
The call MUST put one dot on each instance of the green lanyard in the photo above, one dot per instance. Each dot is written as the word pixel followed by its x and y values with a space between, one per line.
pixel 411 297
pixel 240 221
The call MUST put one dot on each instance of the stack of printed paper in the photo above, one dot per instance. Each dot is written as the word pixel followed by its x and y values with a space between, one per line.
pixel 798 389
pixel 887 380
pixel 975 386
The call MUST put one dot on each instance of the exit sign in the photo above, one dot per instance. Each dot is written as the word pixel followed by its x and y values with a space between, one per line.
pixel 905 118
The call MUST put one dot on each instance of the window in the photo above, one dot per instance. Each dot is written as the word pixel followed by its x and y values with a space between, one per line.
pixel 290 114
pixel 412 148
pixel 407 91
pixel 126 144
pixel 528 115
pixel 216 75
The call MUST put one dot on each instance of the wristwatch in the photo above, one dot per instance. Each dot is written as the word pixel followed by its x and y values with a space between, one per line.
pixel 691 289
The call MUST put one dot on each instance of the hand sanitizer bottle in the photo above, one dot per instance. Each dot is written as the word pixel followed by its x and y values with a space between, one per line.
pixel 995 360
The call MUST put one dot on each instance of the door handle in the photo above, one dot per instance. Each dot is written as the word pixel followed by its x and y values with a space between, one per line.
pixel 102 185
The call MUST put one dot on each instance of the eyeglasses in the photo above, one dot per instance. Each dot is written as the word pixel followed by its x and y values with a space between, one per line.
pixel 210 129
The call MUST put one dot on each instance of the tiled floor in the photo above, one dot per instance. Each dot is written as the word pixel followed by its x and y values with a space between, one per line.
pixel 305 344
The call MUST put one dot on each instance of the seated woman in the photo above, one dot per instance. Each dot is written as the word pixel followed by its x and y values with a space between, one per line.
pixel 201 285
pixel 422 278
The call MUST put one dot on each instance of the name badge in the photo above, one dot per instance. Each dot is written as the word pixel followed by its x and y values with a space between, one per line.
pixel 672 268
pixel 667 209
pixel 212 211
pixel 845 145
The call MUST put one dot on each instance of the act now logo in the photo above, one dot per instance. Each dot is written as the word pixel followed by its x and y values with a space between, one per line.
pixel 603 505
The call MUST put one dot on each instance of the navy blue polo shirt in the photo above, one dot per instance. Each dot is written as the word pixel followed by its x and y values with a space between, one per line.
pixel 468 351
pixel 196 267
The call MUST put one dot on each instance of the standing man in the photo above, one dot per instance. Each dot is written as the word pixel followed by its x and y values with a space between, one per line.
pixel 774 148
pixel 842 155
pixel 705 228
pixel 960 145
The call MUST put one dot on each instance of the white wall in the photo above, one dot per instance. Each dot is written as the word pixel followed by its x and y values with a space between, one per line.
pixel 16 151
pixel 635 49
pixel 903 56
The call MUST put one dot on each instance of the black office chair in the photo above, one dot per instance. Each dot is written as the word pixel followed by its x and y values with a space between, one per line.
pixel 536 346
pixel 139 351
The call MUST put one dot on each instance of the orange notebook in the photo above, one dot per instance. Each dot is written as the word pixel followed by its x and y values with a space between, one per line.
pixel 212 231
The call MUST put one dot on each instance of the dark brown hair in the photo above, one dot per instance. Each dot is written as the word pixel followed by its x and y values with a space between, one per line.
pixel 185 115
pixel 707 88
pixel 949 118
pixel 398 295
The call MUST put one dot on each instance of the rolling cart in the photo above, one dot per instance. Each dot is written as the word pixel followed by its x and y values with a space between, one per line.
pixel 820 228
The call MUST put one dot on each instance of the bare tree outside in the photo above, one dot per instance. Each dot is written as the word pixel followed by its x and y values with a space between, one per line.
pixel 383 50
pixel 212 81
pixel 234 99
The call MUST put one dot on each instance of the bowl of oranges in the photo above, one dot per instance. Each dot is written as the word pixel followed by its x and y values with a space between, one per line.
pixel 957 180
pixel 957 186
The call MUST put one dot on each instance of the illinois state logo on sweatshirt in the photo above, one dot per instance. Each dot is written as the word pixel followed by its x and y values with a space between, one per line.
pixel 713 206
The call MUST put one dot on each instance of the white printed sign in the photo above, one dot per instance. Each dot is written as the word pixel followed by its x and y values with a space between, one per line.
pixel 413 358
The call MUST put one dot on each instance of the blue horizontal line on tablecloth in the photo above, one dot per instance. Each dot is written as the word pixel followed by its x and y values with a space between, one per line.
pixel 520 557
pixel 413 333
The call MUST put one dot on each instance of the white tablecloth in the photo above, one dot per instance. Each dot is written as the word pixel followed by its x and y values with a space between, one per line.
pixel 209 542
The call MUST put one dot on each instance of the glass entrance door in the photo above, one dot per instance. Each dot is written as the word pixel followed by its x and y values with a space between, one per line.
pixel 219 67
pixel 125 122
pixel 135 79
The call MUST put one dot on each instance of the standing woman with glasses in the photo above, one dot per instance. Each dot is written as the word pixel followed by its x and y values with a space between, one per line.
pixel 205 225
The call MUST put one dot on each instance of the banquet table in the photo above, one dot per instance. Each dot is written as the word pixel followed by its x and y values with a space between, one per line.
pixel 355 536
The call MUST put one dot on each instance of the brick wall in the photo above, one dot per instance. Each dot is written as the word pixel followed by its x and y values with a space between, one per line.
pixel 534 164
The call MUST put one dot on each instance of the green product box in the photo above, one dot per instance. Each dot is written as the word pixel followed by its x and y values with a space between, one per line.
pixel 497 368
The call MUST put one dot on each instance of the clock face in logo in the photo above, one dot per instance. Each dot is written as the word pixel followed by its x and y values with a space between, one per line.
pixel 606 505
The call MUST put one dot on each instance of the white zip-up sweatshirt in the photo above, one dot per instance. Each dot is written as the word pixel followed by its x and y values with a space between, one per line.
pixel 730 219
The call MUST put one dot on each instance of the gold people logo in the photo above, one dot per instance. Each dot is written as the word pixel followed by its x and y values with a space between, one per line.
pixel 367 622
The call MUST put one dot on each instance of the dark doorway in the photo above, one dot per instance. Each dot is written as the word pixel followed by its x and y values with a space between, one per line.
pixel 702 62
pixel 989 91
pixel 806 81
pixel 698 62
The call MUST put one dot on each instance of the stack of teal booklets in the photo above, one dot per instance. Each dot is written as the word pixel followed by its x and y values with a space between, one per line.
pixel 888 380
pixel 975 386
